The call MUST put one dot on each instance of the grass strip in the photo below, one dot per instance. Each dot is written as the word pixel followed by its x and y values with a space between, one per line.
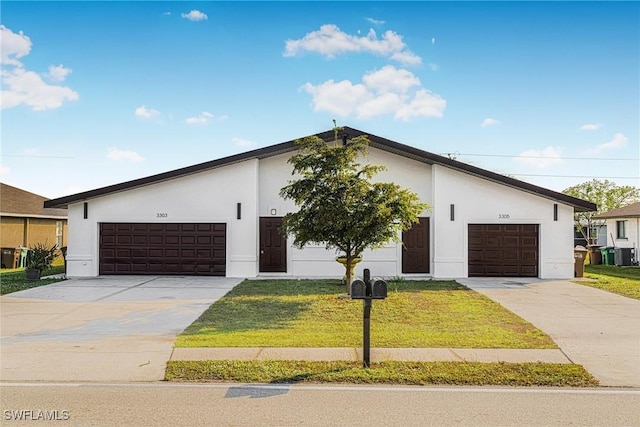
pixel 623 281
pixel 15 280
pixel 400 373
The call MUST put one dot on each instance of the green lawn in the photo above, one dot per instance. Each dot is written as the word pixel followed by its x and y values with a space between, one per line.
pixel 623 281
pixel 308 313
pixel 14 280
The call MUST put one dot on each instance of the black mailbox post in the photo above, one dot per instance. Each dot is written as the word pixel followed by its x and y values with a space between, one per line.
pixel 367 290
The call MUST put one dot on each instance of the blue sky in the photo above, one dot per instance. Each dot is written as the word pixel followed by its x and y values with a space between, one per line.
pixel 96 93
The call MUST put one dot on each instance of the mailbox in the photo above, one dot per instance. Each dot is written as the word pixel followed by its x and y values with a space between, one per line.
pixel 378 288
pixel 358 289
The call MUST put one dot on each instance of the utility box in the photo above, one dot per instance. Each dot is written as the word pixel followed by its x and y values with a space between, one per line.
pixel 579 255
pixel 623 257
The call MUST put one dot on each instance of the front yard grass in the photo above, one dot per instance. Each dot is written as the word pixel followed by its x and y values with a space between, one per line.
pixel 14 280
pixel 623 281
pixel 308 313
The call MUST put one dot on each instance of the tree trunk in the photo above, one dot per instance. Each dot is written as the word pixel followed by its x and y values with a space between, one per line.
pixel 348 273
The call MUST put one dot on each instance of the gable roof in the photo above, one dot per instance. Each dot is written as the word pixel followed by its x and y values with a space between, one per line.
pixel 289 146
pixel 20 203
pixel 630 211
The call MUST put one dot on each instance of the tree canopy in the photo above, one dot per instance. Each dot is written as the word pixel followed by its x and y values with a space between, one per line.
pixel 339 206
pixel 607 195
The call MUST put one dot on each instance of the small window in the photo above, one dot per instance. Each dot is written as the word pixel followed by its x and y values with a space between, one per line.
pixel 621 229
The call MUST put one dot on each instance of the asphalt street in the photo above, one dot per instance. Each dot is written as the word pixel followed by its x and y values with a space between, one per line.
pixel 163 404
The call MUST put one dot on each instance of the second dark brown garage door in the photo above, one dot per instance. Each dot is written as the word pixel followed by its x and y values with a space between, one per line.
pixel 137 248
pixel 507 250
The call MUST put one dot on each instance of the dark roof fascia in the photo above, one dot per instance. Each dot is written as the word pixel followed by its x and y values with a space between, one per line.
pixel 285 147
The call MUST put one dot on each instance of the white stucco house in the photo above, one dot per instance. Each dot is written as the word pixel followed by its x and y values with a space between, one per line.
pixel 221 218
pixel 623 226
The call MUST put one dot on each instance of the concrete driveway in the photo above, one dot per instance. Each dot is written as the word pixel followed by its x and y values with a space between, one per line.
pixel 116 328
pixel 596 329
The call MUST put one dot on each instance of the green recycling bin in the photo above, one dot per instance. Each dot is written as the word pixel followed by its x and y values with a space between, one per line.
pixel 608 254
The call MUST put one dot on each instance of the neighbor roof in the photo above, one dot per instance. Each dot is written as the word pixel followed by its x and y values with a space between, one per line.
pixel 376 142
pixel 630 211
pixel 20 203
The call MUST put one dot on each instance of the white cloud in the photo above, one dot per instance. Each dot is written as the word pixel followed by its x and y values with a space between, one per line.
pixel 433 40
pixel 204 117
pixel 385 91
pixel 195 15
pixel 434 67
pixel 375 21
pixel 490 122
pixel 28 88
pixel 58 72
pixel 24 87
pixel 591 126
pixel 167 13
pixel 329 41
pixel 114 153
pixel 13 46
pixel 146 113
pixel 618 141
pixel 243 142
pixel 543 159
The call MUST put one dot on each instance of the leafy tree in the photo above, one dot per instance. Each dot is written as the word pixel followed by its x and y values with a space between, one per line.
pixel 607 195
pixel 338 204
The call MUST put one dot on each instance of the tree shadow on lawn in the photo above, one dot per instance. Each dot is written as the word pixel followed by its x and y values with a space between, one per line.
pixel 238 315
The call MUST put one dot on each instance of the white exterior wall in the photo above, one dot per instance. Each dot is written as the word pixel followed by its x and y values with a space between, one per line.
pixel 317 261
pixel 478 201
pixel 632 230
pixel 211 196
pixel 206 197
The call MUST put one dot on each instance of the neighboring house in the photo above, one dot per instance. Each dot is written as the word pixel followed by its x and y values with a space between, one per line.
pixel 623 225
pixel 24 221
pixel 222 217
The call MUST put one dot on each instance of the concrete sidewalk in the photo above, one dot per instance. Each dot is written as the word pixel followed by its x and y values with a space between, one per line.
pixel 377 354
pixel 596 329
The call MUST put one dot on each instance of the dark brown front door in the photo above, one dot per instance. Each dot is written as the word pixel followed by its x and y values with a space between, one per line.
pixel 273 246
pixel 507 250
pixel 163 248
pixel 415 251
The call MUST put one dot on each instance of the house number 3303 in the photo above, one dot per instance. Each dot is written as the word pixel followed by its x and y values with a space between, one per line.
pixel 504 216
pixel 162 215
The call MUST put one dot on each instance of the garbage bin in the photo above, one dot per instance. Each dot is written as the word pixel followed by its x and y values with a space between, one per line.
pixel 7 258
pixel 608 253
pixel 623 256
pixel 579 254
pixel 595 256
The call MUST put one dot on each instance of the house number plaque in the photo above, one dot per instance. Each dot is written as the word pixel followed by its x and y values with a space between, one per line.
pixel 162 215
pixel 504 216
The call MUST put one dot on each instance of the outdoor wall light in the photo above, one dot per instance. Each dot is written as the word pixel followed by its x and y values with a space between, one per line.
pixel 555 211
pixel 452 212
pixel 274 212
pixel 239 211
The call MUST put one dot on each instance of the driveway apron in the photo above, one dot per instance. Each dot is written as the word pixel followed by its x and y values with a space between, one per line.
pixel 596 329
pixel 119 328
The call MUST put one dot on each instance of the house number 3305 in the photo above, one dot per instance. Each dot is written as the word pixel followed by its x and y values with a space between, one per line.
pixel 504 216
pixel 162 215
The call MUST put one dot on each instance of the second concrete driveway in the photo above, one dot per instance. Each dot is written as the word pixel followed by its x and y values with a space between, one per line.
pixel 596 329
pixel 100 329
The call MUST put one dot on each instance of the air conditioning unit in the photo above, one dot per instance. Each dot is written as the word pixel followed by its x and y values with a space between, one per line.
pixel 623 256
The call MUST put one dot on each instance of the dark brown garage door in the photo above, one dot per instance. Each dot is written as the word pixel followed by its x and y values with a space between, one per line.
pixel 503 250
pixel 136 248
